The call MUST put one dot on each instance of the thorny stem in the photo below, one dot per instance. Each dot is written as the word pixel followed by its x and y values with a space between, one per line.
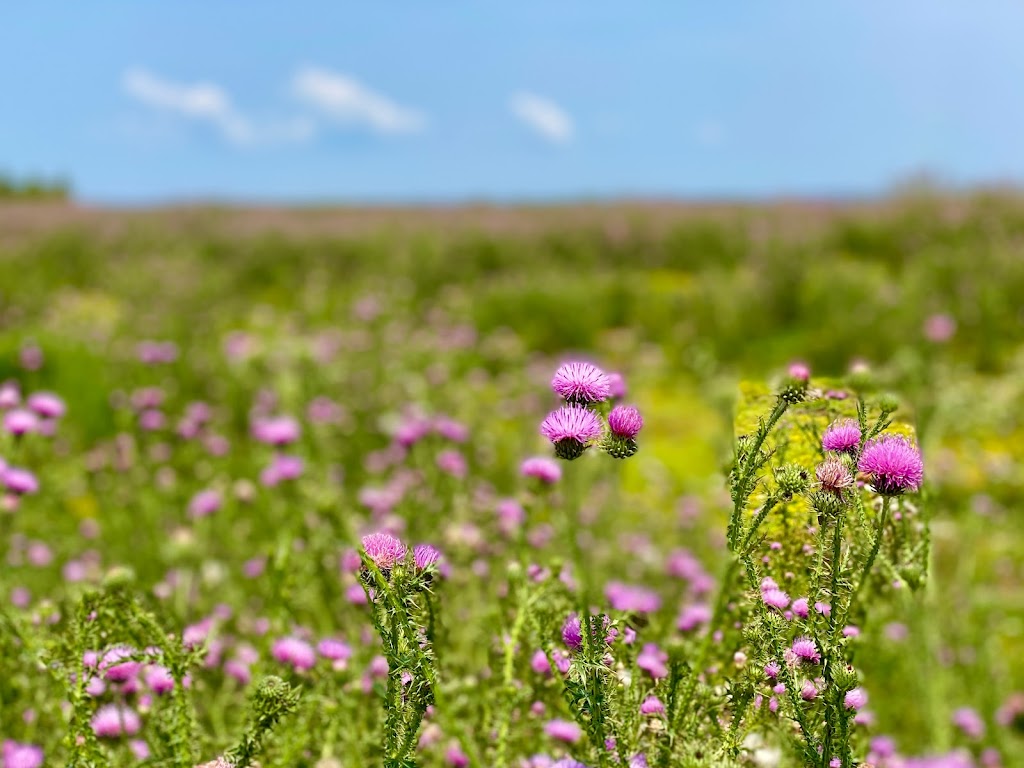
pixel 866 571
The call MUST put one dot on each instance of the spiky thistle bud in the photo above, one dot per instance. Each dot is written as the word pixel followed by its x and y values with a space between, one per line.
pixel 792 480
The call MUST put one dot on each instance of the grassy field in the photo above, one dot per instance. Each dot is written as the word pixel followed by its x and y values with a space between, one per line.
pixel 414 350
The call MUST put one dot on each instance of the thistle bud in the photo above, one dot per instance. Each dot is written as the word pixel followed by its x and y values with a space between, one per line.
pixel 888 402
pixel 792 480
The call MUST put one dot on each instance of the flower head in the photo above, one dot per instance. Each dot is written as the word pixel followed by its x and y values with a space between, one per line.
pixel 572 633
pixel 834 476
pixel 425 556
pixel 842 435
pixel 113 720
pixel 384 550
pixel 855 698
pixel 804 648
pixel 541 468
pixel 17 755
pixel 625 421
pixel 652 705
pixel 19 422
pixel 46 405
pixel 18 481
pixel 894 464
pixel 581 383
pixel 294 651
pixel 570 428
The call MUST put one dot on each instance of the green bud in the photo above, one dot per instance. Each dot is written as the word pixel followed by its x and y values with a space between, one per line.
pixel 792 480
pixel 619 447
pixel 119 577
pixel 888 402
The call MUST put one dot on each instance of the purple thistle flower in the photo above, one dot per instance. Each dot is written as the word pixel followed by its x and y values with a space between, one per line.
pixel 568 762
pixel 775 598
pixel 834 476
pixel 113 720
pixel 653 661
pixel 205 503
pixel 581 383
pixel 799 370
pixel 17 755
pixel 808 692
pixel 804 648
pixel 572 633
pixel 625 422
pixel 20 422
pixel 281 468
pixel 384 550
pixel 10 395
pixel 616 385
pixel 855 698
pixel 541 468
pixel 333 649
pixel 46 405
pixel 629 597
pixel 652 705
pixel 693 616
pixel 425 556
pixel 842 435
pixel 969 722
pixel 570 428
pixel 277 431
pixel 19 481
pixel 563 730
pixel 294 651
pixel 894 464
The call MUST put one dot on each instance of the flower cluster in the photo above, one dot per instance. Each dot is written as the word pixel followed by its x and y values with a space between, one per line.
pixel 584 419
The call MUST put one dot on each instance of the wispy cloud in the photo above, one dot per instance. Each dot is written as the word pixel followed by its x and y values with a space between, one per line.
pixel 346 101
pixel 543 116
pixel 209 103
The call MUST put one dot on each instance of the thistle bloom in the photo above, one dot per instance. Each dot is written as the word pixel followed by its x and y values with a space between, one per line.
pixel 46 405
pixel 19 481
pixel 652 705
pixel 277 431
pixel 894 464
pixel 581 383
pixel 204 503
pixel 113 720
pixel 842 435
pixel 855 698
pixel 563 730
pixel 291 650
pixel 541 468
pixel 834 476
pixel 572 633
pixel 20 422
pixel 570 428
pixel 425 556
pixel 384 550
pixel 805 649
pixel 625 422
pixel 775 598
pixel 628 597
pixel 17 755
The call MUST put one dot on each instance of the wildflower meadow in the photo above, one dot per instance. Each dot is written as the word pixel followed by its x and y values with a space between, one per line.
pixel 579 487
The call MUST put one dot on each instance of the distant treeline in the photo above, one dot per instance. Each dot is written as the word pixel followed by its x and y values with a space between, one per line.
pixel 33 188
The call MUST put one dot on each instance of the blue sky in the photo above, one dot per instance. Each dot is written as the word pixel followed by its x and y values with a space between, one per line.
pixel 141 102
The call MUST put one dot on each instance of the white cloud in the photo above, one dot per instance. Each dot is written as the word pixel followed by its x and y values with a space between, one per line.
pixel 208 102
pixel 345 100
pixel 543 116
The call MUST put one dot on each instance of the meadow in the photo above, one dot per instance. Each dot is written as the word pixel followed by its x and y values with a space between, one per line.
pixel 205 411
